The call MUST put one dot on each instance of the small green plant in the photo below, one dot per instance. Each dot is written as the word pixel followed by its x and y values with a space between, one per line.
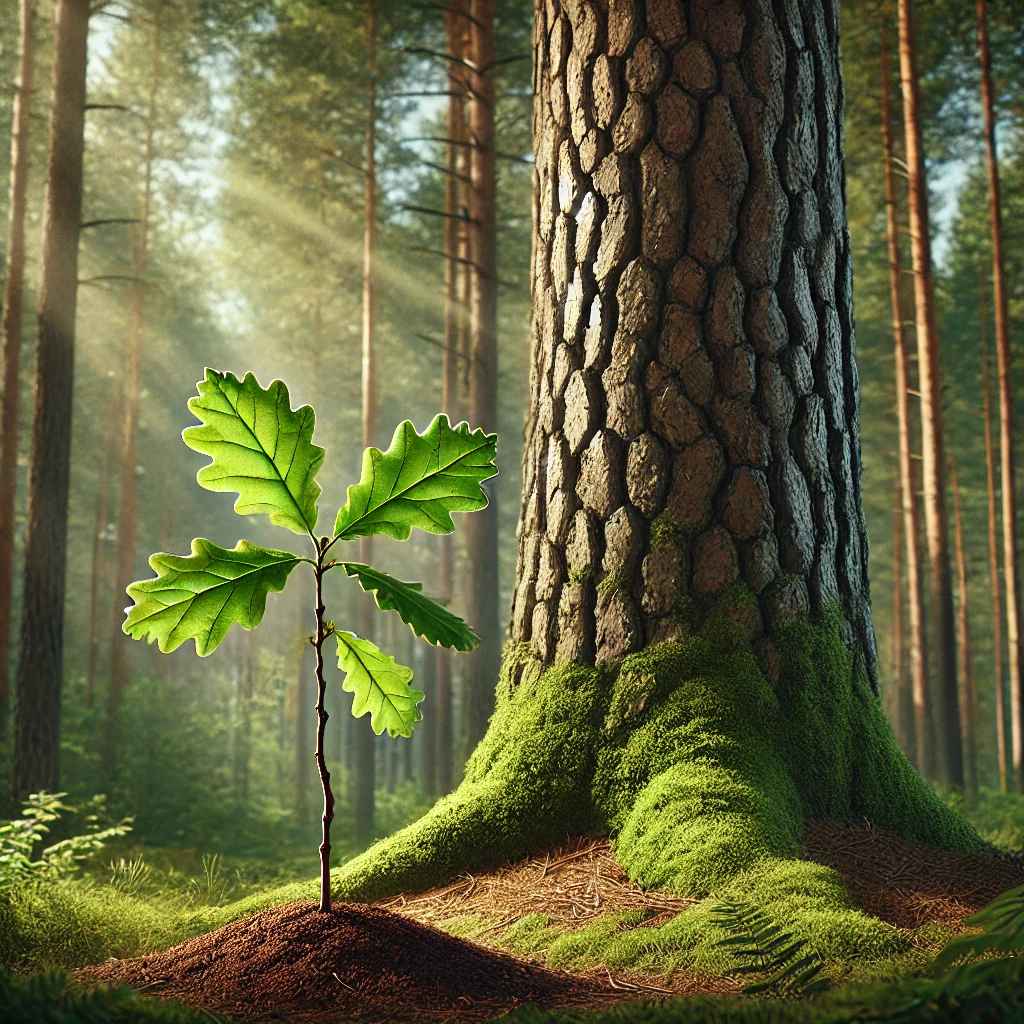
pixel 19 840
pixel 768 951
pixel 262 450
pixel 1002 931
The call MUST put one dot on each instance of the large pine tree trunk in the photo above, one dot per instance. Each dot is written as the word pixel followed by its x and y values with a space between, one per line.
pixel 10 337
pixel 692 474
pixel 41 646
pixel 481 529
pixel 947 765
pixel 1003 360
pixel 694 416
pixel 921 729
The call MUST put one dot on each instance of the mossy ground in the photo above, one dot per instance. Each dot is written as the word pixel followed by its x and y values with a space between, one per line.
pixel 700 769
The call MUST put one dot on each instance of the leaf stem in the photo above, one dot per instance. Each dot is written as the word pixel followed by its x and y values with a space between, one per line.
pixel 322 632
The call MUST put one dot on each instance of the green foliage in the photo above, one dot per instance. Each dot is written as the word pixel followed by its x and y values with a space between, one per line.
pixel 419 481
pixel 425 617
pixel 380 684
pixel 51 998
pixel 260 448
pixel 19 840
pixel 263 449
pixel 768 950
pixel 987 999
pixel 1002 931
pixel 201 596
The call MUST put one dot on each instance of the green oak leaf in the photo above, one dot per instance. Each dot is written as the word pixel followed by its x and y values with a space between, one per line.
pixel 425 617
pixel 419 481
pixel 198 596
pixel 380 685
pixel 261 448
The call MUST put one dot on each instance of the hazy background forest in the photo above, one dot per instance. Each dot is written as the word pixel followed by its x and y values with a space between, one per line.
pixel 251 117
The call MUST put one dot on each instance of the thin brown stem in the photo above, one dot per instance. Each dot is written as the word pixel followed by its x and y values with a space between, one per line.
pixel 322 633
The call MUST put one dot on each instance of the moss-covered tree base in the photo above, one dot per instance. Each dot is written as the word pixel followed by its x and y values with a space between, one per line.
pixel 699 768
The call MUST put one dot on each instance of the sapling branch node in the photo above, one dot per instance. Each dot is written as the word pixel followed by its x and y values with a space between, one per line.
pixel 262 450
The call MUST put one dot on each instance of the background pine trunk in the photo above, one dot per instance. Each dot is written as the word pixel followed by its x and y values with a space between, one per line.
pixel 41 646
pixel 947 764
pixel 1003 361
pixel 920 729
pixel 10 337
pixel 481 529
pixel 364 740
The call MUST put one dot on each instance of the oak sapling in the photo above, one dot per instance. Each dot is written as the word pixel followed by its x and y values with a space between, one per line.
pixel 263 450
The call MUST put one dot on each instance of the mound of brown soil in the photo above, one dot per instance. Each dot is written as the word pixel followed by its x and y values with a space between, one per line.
pixel 905 883
pixel 357 962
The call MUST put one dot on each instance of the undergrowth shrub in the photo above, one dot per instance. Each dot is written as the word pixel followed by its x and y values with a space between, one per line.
pixel 49 998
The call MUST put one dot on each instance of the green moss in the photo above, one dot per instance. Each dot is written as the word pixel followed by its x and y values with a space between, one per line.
pixel 612 582
pixel 578 577
pixel 664 530
pixel 700 769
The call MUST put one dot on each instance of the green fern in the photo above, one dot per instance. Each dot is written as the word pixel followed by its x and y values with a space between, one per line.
pixel 1002 931
pixel 785 967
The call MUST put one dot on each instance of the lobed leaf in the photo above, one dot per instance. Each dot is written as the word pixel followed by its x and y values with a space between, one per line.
pixel 419 481
pixel 261 448
pixel 425 617
pixel 379 684
pixel 199 596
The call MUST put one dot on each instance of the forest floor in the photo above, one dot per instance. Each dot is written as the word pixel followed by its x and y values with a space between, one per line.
pixel 456 952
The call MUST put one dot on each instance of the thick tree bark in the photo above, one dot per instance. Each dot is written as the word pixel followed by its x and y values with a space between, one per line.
pixel 968 698
pixel 694 419
pixel 948 760
pixel 921 729
pixel 41 646
pixel 995 588
pixel 128 513
pixel 1003 361
pixel 481 529
pixel 365 741
pixel 457 23
pixel 10 337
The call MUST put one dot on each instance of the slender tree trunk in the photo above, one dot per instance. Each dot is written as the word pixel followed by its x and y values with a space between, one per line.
pixel 481 530
pixel 10 336
pixel 1003 361
pixel 993 557
pixel 428 751
pixel 919 732
pixel 948 759
pixel 303 747
pixel 968 698
pixel 127 520
pixel 98 533
pixel 457 23
pixel 365 741
pixel 41 646
pixel 694 417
